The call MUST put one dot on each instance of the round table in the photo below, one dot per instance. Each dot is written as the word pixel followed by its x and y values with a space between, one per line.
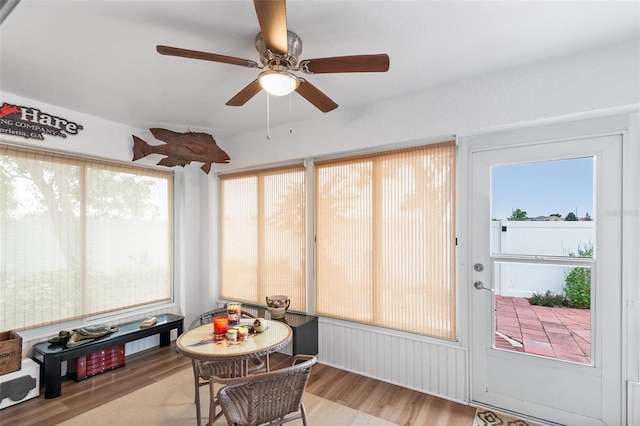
pixel 199 344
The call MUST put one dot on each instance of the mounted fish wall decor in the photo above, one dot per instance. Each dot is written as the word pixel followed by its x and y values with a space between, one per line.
pixel 181 149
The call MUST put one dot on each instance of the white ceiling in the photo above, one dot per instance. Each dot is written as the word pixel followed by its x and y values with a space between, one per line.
pixel 99 57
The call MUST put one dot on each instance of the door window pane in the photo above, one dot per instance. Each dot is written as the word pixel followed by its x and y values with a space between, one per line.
pixel 543 208
pixel 545 324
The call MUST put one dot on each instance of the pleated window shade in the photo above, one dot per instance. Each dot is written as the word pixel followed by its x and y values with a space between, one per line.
pixel 385 239
pixel 80 237
pixel 263 227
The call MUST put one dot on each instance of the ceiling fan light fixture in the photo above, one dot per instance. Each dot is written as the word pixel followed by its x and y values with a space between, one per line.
pixel 278 83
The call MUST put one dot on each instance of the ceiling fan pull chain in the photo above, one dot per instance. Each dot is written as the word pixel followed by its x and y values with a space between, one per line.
pixel 290 123
pixel 268 129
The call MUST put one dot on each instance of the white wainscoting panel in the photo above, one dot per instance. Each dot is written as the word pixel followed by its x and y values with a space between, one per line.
pixel 633 403
pixel 422 364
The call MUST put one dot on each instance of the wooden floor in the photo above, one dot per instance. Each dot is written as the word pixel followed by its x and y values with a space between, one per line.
pixel 393 403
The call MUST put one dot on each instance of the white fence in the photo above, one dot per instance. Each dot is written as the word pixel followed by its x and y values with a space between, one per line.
pixel 543 238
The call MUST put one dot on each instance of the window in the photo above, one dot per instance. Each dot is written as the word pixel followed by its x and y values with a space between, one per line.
pixel 385 239
pixel 263 241
pixel 80 237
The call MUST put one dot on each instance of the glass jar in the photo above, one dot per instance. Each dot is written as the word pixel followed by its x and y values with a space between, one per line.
pixel 234 312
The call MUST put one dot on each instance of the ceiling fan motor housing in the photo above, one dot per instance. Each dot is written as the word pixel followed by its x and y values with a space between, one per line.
pixel 272 60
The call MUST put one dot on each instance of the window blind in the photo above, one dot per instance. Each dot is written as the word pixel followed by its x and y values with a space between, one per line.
pixel 385 239
pixel 263 241
pixel 80 237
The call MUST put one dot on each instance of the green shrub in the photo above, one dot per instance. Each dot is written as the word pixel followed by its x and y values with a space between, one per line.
pixel 548 299
pixel 577 287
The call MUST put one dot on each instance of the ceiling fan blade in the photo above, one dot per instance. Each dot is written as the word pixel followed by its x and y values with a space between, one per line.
pixel 315 96
pixel 245 94
pixel 354 63
pixel 195 54
pixel 272 17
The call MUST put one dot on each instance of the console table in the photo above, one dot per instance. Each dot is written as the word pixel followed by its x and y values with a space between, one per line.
pixel 51 355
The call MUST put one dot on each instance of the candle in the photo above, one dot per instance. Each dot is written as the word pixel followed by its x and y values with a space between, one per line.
pixel 243 333
pixel 232 334
pixel 234 312
pixel 220 325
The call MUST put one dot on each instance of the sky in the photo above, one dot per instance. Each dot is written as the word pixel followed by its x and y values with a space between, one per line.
pixel 543 188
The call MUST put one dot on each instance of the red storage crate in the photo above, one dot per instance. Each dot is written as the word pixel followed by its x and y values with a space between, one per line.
pixel 96 363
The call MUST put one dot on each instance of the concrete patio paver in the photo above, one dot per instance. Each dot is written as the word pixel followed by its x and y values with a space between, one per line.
pixel 556 332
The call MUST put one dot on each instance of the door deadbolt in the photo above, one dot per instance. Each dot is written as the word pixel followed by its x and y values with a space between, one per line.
pixel 478 267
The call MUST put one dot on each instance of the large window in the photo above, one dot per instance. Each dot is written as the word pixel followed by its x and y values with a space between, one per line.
pixel 80 237
pixel 385 239
pixel 263 236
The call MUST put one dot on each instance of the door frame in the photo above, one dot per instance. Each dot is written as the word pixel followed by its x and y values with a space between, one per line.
pixel 547 131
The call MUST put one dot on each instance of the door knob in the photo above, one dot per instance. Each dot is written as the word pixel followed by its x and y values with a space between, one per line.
pixel 479 285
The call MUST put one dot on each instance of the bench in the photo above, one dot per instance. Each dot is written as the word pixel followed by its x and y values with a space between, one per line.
pixel 51 355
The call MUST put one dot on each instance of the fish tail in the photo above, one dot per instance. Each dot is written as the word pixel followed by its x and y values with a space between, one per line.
pixel 140 148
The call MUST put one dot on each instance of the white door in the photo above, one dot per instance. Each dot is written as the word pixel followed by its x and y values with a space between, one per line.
pixel 527 359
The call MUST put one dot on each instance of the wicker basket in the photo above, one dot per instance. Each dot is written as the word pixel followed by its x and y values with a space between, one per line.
pixel 10 352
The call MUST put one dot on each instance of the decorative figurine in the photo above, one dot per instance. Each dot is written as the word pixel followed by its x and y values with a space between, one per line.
pixel 181 149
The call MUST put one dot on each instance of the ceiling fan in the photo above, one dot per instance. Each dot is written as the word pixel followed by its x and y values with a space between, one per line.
pixel 279 50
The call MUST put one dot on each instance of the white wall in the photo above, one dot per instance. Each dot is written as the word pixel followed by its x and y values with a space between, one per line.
pixel 603 79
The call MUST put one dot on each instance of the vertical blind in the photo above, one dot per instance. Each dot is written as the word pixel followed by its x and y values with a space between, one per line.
pixel 385 239
pixel 80 237
pixel 263 241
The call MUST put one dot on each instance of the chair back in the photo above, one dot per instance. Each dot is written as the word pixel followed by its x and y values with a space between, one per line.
pixel 207 317
pixel 261 398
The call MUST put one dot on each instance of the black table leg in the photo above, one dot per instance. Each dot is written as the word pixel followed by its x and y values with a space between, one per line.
pixel 52 377
pixel 165 338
